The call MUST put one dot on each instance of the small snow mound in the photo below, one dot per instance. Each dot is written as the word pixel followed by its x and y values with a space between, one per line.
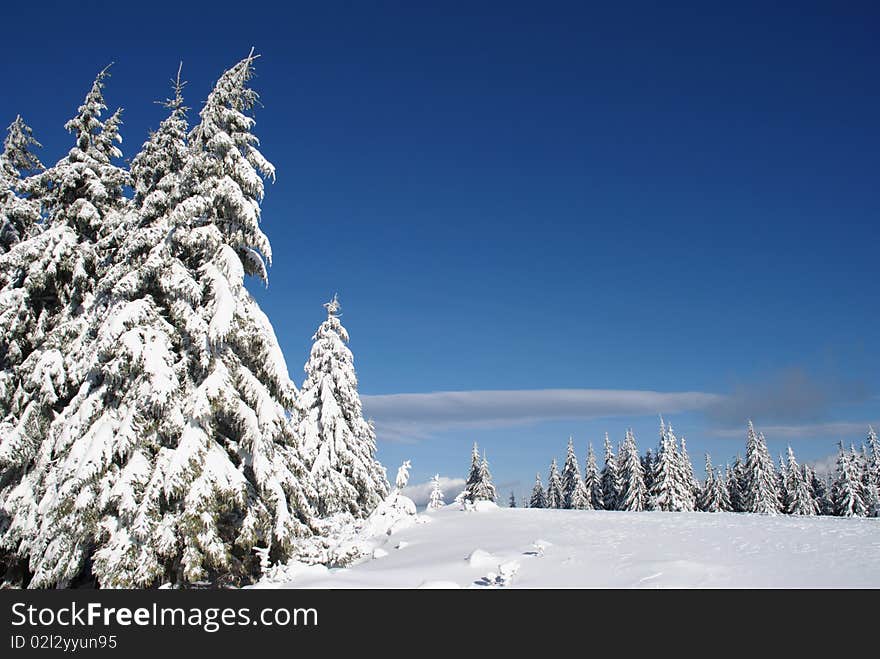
pixel 506 572
pixel 396 512
pixel 378 552
pixel 540 546
pixel 481 558
pixel 484 506
pixel 402 544
pixel 433 585
pixel 290 572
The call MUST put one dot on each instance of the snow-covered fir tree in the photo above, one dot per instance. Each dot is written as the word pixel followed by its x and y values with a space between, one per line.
pixel 691 487
pixel 798 497
pixel 554 496
pixel 847 490
pixel 19 214
pixel 610 478
pixel 735 482
pixel 175 457
pixel 571 478
pixel 538 498
pixel 479 485
pixel 592 480
pixel 339 444
pixel 668 492
pixel 436 500
pixel 872 473
pixel 819 490
pixel 511 502
pixel 713 495
pixel 633 495
pixel 580 500
pixel 760 491
pixel 46 281
pixel 648 468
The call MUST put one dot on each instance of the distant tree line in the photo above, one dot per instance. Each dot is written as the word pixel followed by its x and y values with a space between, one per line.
pixel 664 479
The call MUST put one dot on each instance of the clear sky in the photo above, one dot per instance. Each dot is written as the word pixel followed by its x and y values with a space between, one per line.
pixel 538 196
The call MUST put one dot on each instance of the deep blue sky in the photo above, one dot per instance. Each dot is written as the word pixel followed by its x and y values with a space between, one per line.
pixel 565 196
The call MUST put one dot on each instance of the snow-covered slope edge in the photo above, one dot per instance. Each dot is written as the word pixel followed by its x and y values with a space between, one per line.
pixel 526 548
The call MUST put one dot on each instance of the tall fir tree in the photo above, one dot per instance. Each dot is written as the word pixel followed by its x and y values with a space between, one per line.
pixel 19 214
pixel 47 281
pixel 338 443
pixel 689 481
pixel 847 490
pixel 554 487
pixel 610 478
pixel 488 492
pixel 176 450
pixel 648 468
pixel 820 491
pixel 714 497
pixel 872 473
pixel 633 495
pixel 538 499
pixel 735 483
pixel 592 480
pixel 761 493
pixel 571 477
pixel 667 489
pixel 479 485
pixel 511 502
pixel 473 478
pixel 798 497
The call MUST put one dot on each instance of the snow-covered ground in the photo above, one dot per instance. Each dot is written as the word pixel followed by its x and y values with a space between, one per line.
pixel 527 548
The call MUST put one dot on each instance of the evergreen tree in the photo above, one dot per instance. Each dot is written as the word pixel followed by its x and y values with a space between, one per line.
pixel 610 478
pixel 488 492
pixel 687 478
pixel 872 473
pixel 436 500
pixel 571 477
pixel 873 456
pixel 592 480
pixel 667 490
pixel 19 215
pixel 648 469
pixel 714 497
pixel 338 443
pixel 847 491
pixel 580 500
pixel 633 494
pixel 176 450
pixel 820 492
pixel 511 503
pixel 798 497
pixel 473 477
pixel 479 485
pixel 47 279
pixel 735 482
pixel 538 500
pixel 554 487
pixel 761 492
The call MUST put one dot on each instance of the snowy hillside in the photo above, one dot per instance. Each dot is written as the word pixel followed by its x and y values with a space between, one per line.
pixel 526 548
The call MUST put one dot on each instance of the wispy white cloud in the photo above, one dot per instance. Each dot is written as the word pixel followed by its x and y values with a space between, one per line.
pixel 410 417
pixel 420 493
